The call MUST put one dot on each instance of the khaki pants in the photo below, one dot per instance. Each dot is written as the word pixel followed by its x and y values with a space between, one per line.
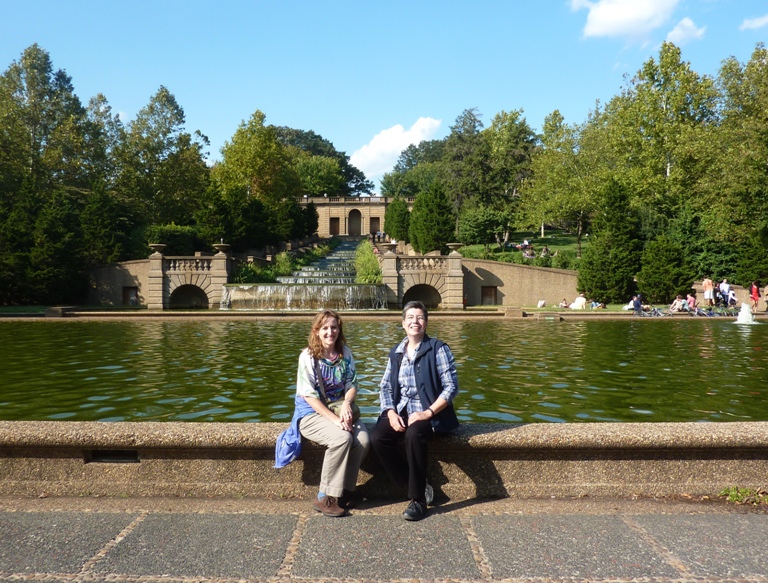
pixel 344 454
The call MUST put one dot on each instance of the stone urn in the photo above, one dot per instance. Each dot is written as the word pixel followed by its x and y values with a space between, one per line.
pixel 222 248
pixel 158 248
pixel 454 247
pixel 390 247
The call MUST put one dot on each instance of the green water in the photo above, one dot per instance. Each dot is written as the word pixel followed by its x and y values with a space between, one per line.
pixel 509 371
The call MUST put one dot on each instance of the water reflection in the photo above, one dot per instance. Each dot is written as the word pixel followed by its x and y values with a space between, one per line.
pixel 510 371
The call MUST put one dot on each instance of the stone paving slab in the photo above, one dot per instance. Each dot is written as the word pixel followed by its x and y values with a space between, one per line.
pixel 714 546
pixel 54 543
pixel 591 547
pixel 193 545
pixel 365 547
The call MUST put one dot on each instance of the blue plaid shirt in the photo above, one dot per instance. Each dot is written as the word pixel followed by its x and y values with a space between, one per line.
pixel 409 397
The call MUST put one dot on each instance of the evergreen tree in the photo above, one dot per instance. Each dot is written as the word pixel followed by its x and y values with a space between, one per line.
pixel 397 220
pixel 665 272
pixel 612 259
pixel 432 221
pixel 54 272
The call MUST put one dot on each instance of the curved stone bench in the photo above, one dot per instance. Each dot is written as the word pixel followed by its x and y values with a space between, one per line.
pixel 479 460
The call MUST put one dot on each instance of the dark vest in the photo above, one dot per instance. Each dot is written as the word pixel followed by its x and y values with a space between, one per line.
pixel 428 382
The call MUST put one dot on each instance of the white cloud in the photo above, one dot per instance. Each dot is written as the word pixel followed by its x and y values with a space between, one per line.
pixel 380 154
pixel 633 19
pixel 684 31
pixel 750 23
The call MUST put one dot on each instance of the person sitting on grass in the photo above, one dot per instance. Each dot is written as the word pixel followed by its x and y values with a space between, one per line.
pixel 580 303
pixel 678 305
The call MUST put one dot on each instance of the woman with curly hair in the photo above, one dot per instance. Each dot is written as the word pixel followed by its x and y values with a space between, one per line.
pixel 326 387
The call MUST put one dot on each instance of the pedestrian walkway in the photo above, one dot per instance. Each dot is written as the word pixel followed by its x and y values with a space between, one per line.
pixel 160 540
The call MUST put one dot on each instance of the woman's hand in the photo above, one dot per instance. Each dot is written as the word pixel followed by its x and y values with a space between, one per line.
pixel 345 417
pixel 395 421
pixel 343 425
pixel 419 416
pixel 346 411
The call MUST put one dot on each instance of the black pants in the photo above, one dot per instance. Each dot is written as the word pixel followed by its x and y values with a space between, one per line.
pixel 410 473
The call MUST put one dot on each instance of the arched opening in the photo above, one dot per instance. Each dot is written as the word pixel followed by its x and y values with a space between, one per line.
pixel 355 223
pixel 188 297
pixel 425 294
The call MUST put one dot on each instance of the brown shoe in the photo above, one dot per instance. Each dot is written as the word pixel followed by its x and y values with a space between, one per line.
pixel 329 506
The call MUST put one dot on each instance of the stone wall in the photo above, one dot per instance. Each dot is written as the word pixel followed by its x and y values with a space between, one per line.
pixel 480 460
pixel 517 285
pixel 107 283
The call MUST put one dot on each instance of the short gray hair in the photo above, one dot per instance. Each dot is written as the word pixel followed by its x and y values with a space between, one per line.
pixel 415 305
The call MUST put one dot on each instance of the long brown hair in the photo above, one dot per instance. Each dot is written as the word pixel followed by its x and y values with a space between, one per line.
pixel 315 346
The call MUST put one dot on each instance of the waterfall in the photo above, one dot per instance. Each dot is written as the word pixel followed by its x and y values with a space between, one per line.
pixel 327 283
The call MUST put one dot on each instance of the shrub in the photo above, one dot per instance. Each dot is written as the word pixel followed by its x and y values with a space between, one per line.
pixel 367 269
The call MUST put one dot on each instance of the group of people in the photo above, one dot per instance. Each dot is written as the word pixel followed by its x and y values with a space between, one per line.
pixel 581 303
pixel 687 304
pixel 416 392
pixel 723 295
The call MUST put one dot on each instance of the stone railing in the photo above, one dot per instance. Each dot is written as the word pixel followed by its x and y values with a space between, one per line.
pixel 423 264
pixel 187 264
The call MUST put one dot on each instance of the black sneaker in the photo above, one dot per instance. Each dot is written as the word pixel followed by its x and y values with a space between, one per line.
pixel 416 510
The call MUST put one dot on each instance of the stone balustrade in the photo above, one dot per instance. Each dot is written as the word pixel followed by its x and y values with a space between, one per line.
pixel 188 264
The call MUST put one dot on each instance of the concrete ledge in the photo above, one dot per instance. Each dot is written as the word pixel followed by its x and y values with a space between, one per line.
pixel 485 460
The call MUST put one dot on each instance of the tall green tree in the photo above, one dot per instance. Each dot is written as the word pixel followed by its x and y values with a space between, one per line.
pixel 397 220
pixel 734 195
pixel 512 143
pixel 432 221
pixel 652 125
pixel 610 263
pixel 163 169
pixel 466 161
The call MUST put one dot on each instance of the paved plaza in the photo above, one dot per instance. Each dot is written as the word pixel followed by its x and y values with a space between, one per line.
pixel 177 539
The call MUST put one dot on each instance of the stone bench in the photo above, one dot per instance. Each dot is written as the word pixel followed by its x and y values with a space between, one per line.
pixel 479 460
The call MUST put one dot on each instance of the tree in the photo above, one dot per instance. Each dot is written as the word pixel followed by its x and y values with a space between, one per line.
pixel 432 221
pixel 512 143
pixel 466 161
pixel 409 183
pixel 255 160
pixel 426 151
pixel 54 273
pixel 319 175
pixel 353 183
pixel 397 220
pixel 43 124
pixel 652 125
pixel 565 177
pixel 163 169
pixel 665 272
pixel 479 225
pixel 612 259
pixel 734 195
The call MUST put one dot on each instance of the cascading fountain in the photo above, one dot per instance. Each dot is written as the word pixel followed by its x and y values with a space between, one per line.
pixel 327 283
pixel 745 315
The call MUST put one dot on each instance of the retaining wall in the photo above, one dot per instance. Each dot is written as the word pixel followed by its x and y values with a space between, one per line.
pixel 222 459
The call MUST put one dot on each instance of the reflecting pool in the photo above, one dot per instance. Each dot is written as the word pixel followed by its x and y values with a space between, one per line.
pixel 509 370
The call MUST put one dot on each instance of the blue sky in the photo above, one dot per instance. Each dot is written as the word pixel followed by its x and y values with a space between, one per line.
pixel 371 77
